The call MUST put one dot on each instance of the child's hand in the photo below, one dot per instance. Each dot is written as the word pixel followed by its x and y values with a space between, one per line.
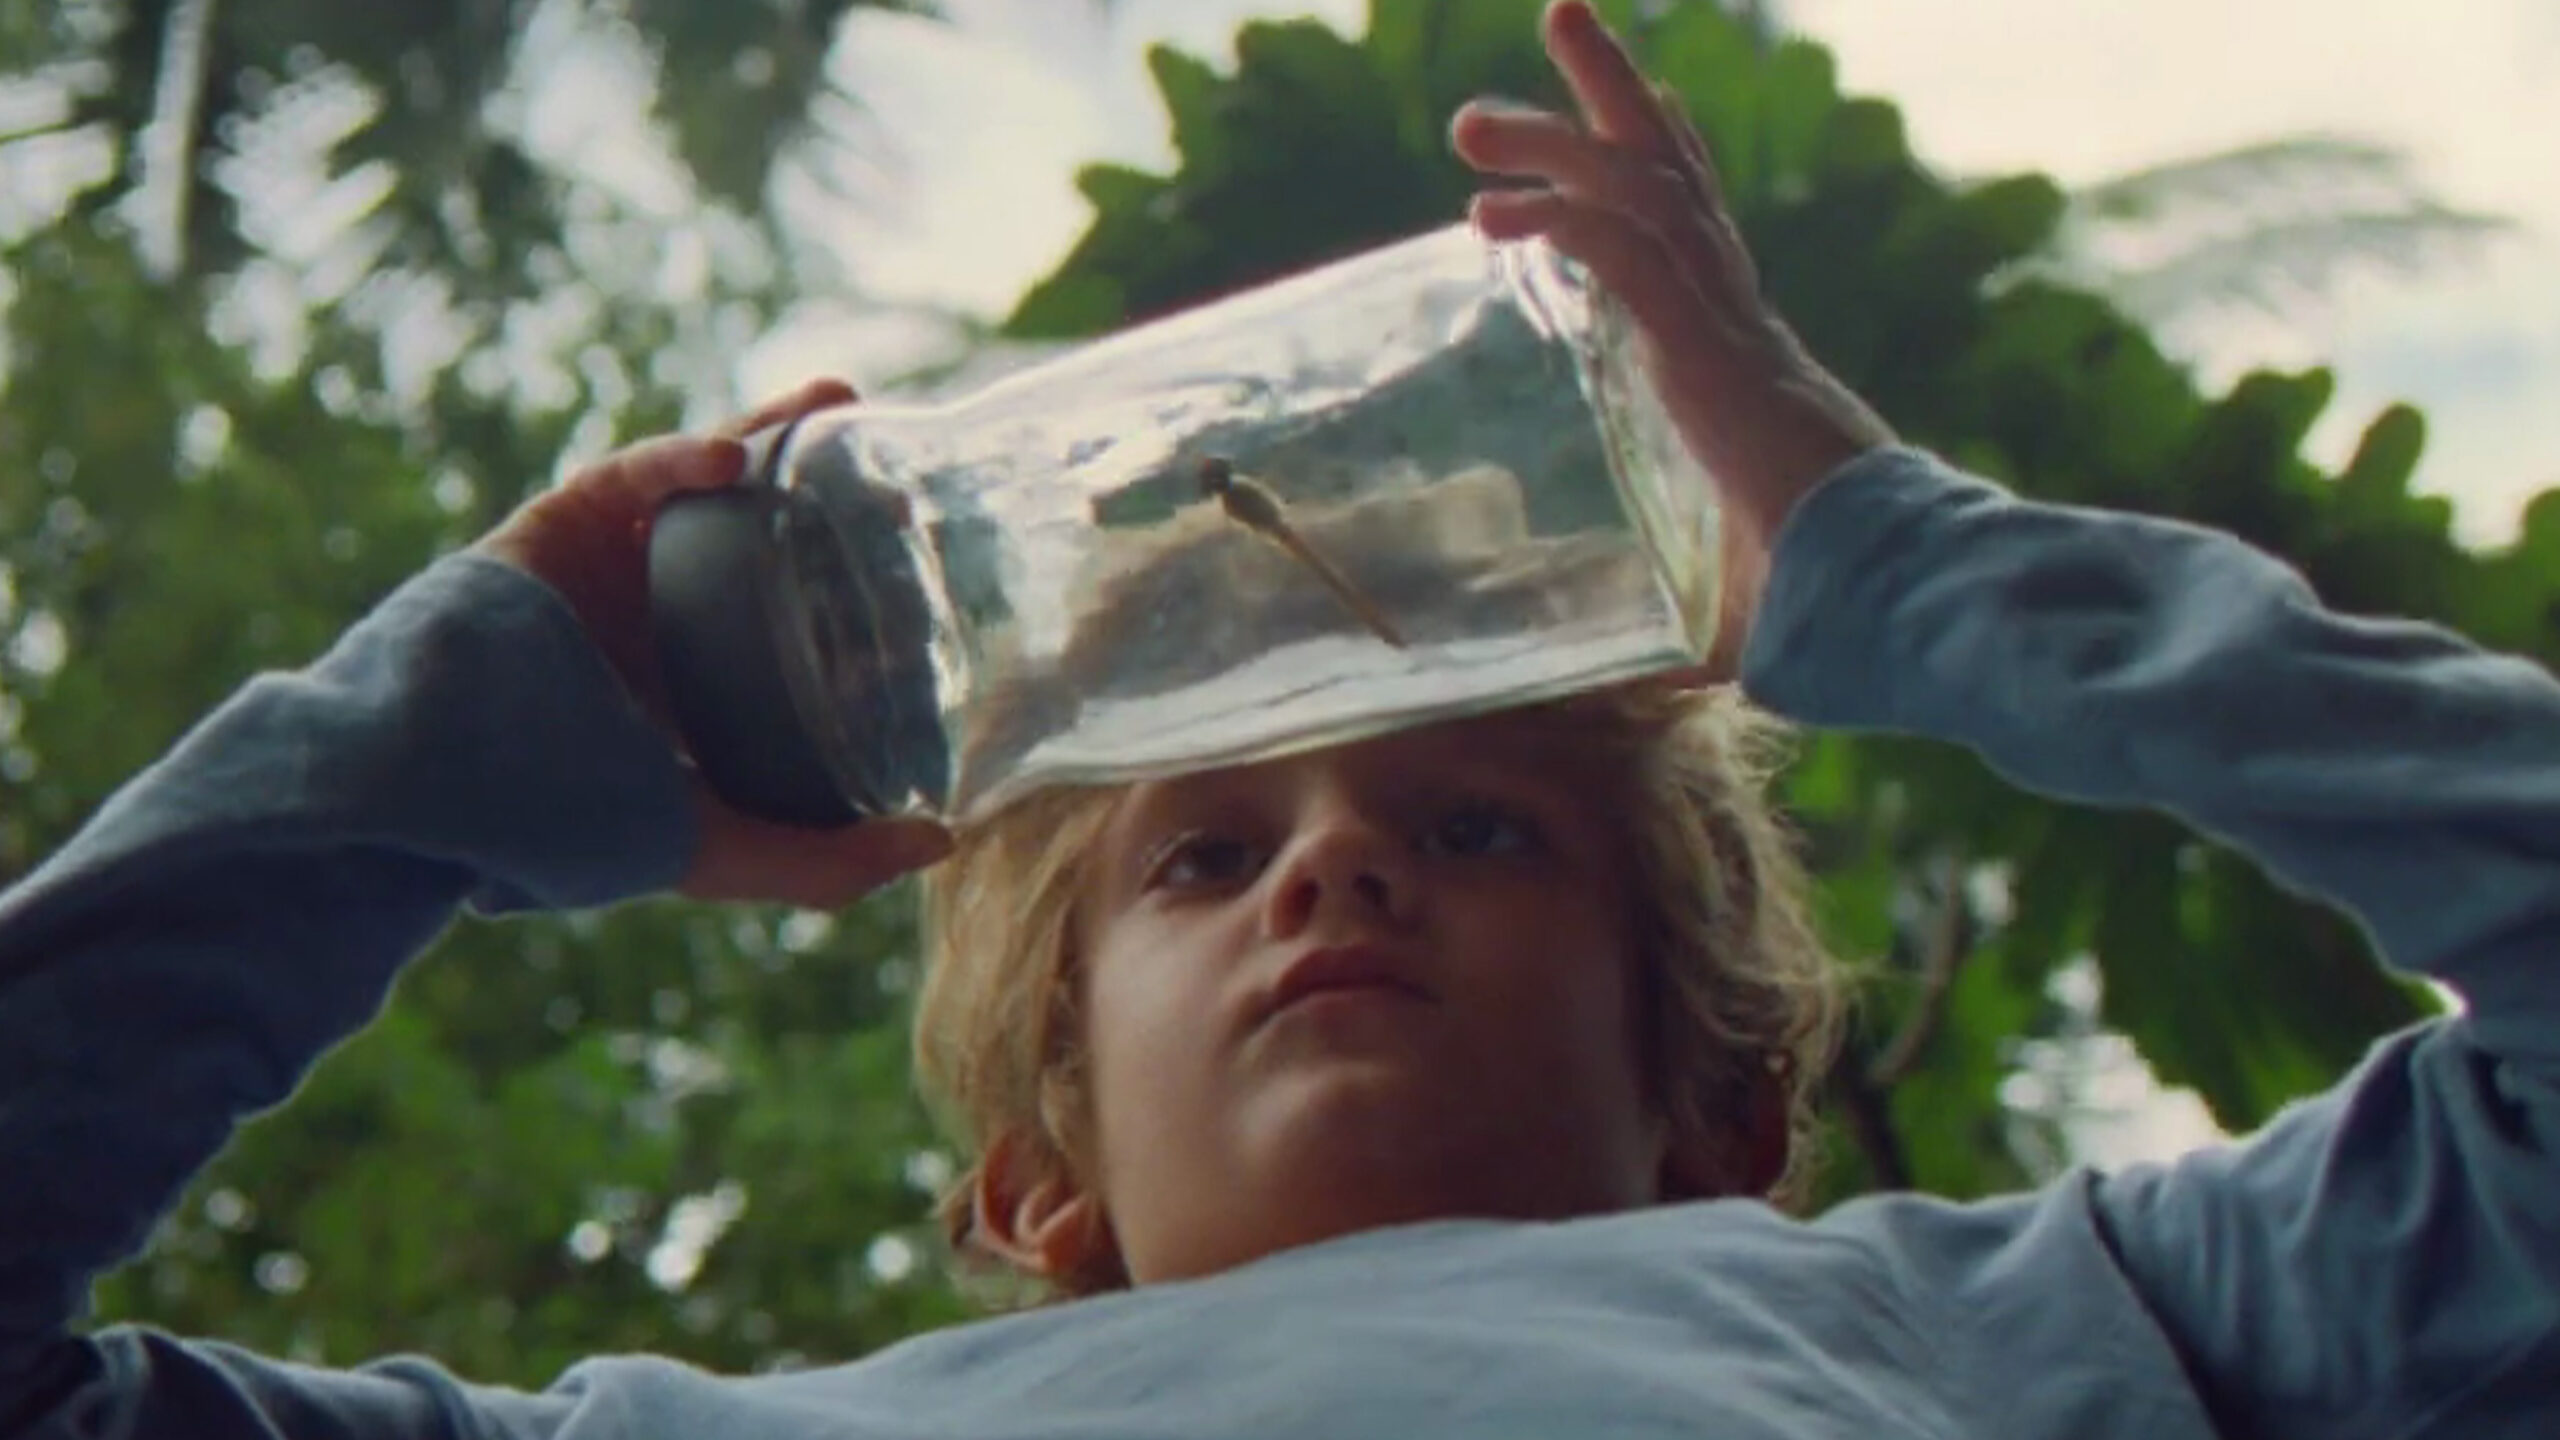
pixel 1632 194
pixel 588 540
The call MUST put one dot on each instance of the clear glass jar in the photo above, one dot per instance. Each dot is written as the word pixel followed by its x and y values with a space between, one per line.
pixel 1420 483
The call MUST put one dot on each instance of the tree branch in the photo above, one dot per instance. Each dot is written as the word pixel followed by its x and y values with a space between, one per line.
pixel 1869 1119
pixel 1946 955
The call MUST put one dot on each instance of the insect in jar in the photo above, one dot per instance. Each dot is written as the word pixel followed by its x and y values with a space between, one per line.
pixel 1252 505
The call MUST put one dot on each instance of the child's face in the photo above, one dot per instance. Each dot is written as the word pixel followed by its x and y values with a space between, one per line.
pixel 1386 982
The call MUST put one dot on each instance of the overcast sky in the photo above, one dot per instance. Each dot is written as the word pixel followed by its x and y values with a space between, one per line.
pixel 992 116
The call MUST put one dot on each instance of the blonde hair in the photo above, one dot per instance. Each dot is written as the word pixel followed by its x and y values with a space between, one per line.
pixel 1745 1004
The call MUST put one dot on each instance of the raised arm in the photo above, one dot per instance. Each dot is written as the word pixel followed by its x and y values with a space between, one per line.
pixel 2386 766
pixel 245 904
pixel 2382 1260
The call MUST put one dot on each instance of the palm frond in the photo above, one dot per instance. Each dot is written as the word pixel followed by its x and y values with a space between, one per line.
pixel 2270 227
pixel 2274 267
pixel 2247 175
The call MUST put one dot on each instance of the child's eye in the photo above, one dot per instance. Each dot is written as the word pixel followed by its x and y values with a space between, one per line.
pixel 1478 829
pixel 1200 860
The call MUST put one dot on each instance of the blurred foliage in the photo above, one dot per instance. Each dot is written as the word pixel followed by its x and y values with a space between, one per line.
pixel 426 92
pixel 685 1129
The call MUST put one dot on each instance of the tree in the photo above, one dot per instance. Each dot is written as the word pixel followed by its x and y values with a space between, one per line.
pixel 183 94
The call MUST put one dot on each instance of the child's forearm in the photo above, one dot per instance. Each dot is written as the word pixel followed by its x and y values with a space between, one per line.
pixel 2388 767
pixel 246 903
pixel 2382 1259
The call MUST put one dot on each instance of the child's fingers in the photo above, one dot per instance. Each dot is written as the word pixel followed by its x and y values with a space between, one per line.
pixel 1614 95
pixel 633 481
pixel 1703 331
pixel 1625 106
pixel 1697 165
pixel 811 396
pixel 1663 197
pixel 581 537
pixel 1630 259
pixel 1691 147
pixel 1535 144
pixel 744 859
pixel 636 479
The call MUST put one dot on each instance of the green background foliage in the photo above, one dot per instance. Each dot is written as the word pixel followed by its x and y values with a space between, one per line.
pixel 687 1129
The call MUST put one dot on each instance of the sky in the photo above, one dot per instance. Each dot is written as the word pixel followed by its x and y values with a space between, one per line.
pixel 989 117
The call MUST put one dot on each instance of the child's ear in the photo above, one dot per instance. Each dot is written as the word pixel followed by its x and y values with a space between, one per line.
pixel 1744 1163
pixel 1766 1140
pixel 1029 1212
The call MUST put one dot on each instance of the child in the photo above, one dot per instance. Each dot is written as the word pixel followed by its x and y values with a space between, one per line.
pixel 1354 1076
pixel 1545 963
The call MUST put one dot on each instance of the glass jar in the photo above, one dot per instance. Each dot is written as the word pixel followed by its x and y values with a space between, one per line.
pixel 1424 482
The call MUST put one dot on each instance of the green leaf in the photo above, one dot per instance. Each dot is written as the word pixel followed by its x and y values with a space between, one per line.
pixel 1863 139
pixel 1436 54
pixel 2376 479
pixel 1958 1145
pixel 2241 470
pixel 2058 875
pixel 1067 307
pixel 1799 95
pixel 1192 97
pixel 1714 63
pixel 2146 958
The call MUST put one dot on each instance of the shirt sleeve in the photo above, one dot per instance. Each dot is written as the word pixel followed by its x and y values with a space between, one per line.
pixel 244 905
pixel 2381 1260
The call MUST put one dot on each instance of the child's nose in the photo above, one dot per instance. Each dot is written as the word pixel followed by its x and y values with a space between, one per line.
pixel 1343 867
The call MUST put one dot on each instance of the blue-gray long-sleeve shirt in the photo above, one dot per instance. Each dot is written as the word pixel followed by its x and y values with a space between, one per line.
pixel 2381 1261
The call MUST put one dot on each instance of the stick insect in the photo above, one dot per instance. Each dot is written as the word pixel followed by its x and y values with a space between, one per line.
pixel 1253 506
